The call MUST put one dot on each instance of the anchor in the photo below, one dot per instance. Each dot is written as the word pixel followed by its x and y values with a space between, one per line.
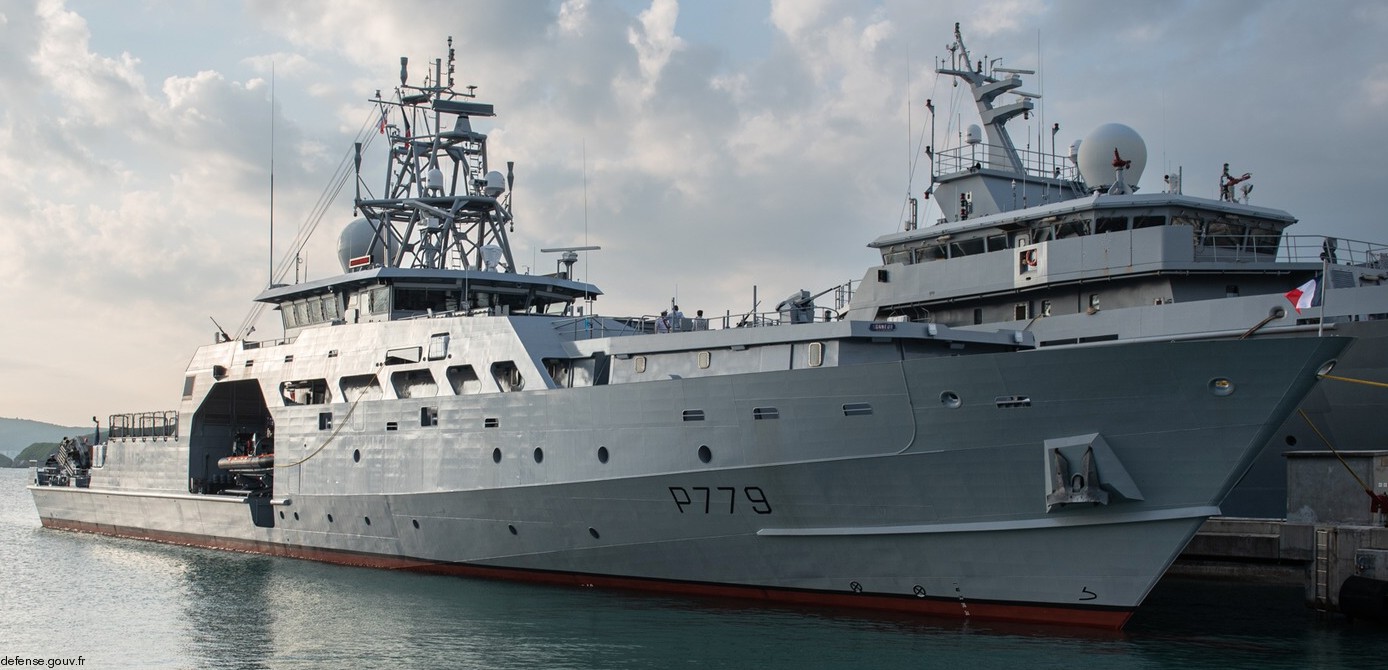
pixel 1081 487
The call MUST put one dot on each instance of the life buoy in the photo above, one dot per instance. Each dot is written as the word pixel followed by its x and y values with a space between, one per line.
pixel 1030 258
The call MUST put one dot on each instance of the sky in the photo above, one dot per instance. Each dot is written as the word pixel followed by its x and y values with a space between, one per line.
pixel 710 148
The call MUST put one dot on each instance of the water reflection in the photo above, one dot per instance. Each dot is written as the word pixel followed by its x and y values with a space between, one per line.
pixel 227 617
pixel 123 603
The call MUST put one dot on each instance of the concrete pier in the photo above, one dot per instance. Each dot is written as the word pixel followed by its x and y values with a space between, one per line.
pixel 1331 533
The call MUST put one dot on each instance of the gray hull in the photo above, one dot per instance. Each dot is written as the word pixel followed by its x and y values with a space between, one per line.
pixel 919 503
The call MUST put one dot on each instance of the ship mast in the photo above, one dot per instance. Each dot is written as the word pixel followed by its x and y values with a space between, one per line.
pixel 986 89
pixel 442 208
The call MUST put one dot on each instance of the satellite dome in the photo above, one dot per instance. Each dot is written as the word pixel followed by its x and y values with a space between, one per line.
pixel 1096 155
pixel 974 135
pixel 355 242
pixel 496 184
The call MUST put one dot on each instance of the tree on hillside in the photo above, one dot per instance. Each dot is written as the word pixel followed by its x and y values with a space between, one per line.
pixel 37 452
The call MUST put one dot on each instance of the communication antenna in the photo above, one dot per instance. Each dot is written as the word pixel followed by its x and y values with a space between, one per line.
pixel 585 214
pixel 271 282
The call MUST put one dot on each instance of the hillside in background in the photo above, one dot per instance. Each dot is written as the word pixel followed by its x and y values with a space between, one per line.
pixel 17 434
pixel 37 452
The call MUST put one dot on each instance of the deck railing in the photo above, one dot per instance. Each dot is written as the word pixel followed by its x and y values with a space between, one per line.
pixel 1036 164
pixel 1333 250
pixel 144 424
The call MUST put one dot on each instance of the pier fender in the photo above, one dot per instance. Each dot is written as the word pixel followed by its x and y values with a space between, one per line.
pixel 1084 469
pixel 1364 598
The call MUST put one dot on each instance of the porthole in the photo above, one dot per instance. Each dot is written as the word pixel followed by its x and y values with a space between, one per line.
pixel 281 514
pixel 356 455
pixel 1291 440
pixel 416 523
pixel 593 532
pixel 296 516
pixel 330 518
pixel 602 454
pixel 496 455
pixel 950 399
pixel 1221 387
pixel 512 529
pixel 705 454
pixel 367 519
pixel 539 455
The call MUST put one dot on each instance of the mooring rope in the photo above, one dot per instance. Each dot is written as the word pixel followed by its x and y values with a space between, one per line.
pixel 1355 381
pixel 331 436
pixel 1335 451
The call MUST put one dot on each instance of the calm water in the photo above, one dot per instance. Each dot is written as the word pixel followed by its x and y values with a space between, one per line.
pixel 124 603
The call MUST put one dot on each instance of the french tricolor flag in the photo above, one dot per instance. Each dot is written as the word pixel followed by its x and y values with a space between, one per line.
pixel 1303 296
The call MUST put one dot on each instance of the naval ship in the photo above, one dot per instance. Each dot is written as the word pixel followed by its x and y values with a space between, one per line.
pixel 1068 250
pixel 431 408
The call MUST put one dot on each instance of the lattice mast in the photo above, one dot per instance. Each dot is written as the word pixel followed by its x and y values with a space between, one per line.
pixel 442 207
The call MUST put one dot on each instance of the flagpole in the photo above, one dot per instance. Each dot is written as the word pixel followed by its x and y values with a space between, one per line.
pixel 1325 277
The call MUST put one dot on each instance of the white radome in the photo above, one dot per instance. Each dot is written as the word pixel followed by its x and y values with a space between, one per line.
pixel 1096 154
pixel 355 241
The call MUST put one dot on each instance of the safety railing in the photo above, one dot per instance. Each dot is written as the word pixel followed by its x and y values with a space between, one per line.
pixel 144 424
pixel 1334 251
pixel 1037 164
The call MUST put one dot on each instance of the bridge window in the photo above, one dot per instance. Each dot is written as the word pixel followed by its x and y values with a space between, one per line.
pixel 379 299
pixel 1111 224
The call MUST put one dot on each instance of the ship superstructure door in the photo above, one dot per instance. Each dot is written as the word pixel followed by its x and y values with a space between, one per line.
pixel 232 419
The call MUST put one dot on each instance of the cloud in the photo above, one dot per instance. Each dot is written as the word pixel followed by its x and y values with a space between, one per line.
pixel 655 41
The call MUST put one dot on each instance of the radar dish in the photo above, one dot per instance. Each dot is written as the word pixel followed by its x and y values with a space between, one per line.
pixel 1096 155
